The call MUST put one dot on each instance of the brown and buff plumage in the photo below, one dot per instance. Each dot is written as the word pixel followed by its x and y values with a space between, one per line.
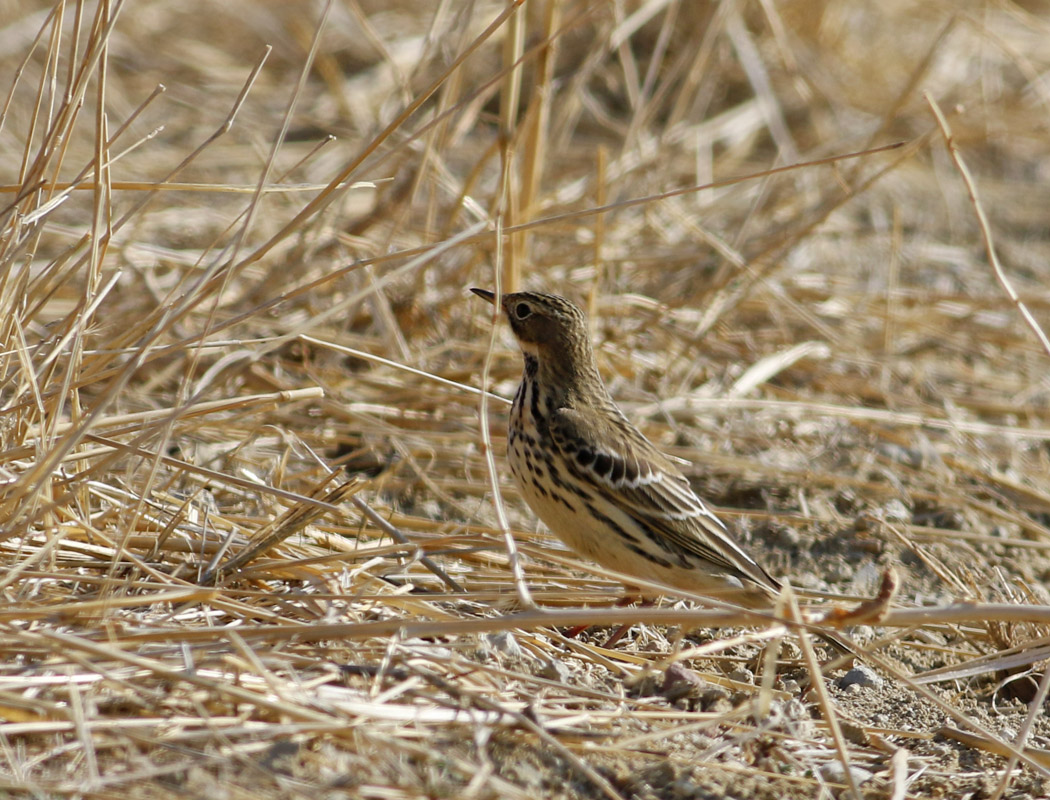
pixel 596 481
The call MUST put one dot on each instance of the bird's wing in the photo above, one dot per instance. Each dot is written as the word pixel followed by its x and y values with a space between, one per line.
pixel 643 483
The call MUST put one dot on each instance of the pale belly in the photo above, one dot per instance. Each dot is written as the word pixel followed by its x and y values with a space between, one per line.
pixel 619 542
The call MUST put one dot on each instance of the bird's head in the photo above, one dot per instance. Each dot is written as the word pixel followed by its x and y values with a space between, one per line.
pixel 544 324
pixel 552 334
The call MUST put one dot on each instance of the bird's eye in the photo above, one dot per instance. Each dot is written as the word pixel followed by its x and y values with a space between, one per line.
pixel 522 310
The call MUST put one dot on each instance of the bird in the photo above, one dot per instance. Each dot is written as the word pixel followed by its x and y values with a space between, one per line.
pixel 596 481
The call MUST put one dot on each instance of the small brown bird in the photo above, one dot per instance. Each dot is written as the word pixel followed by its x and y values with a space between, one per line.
pixel 596 481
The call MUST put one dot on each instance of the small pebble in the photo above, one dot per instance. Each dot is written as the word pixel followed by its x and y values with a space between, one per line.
pixel 862 633
pixel 716 699
pixel 854 733
pixel 866 580
pixel 839 572
pixel 503 642
pixel 742 675
pixel 860 676
pixel 833 772
pixel 554 670
pixel 895 511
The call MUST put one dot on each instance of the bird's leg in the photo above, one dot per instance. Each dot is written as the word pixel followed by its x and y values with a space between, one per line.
pixel 631 596
pixel 626 600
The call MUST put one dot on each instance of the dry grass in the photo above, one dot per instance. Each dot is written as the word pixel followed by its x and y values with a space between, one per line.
pixel 208 304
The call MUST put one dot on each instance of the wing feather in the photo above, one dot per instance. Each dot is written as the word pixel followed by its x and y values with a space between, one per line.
pixel 645 484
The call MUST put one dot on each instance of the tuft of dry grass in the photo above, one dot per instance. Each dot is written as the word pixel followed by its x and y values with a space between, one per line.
pixel 255 532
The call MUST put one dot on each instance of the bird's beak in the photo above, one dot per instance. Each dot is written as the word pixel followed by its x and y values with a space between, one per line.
pixel 485 294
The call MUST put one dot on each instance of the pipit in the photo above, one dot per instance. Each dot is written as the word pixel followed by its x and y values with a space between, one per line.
pixel 596 481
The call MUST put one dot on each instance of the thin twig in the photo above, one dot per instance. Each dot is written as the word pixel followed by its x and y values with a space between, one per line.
pixel 986 228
